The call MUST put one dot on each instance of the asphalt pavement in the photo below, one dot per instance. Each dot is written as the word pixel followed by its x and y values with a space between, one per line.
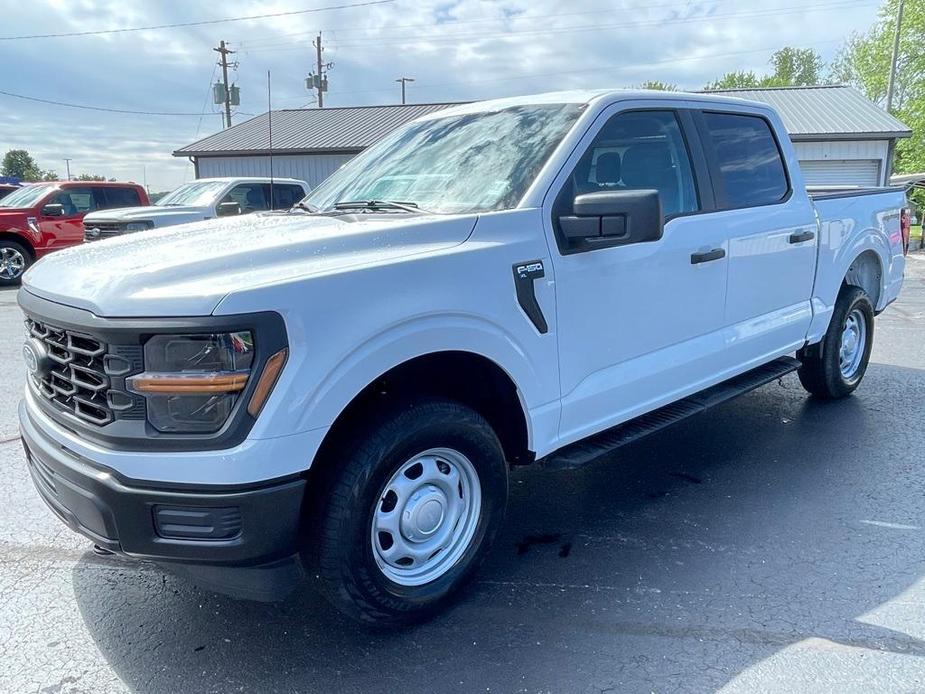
pixel 773 544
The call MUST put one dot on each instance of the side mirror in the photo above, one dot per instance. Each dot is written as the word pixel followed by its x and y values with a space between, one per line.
pixel 53 209
pixel 228 209
pixel 613 218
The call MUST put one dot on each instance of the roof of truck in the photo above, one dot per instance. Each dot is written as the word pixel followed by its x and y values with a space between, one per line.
pixel 822 112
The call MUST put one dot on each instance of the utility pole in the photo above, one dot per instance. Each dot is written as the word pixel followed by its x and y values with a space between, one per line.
pixel 67 166
pixel 224 52
pixel 403 80
pixel 319 80
pixel 892 84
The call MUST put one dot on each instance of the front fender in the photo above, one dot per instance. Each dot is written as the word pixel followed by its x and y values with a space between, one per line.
pixel 320 405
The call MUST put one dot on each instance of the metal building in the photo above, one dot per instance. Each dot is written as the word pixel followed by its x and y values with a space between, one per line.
pixel 841 138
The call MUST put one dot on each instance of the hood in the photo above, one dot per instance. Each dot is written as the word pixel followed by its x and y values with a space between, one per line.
pixel 128 214
pixel 186 271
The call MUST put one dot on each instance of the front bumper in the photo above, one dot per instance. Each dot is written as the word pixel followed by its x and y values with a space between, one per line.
pixel 240 541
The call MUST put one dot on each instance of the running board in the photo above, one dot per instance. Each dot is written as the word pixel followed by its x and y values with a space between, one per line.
pixel 582 452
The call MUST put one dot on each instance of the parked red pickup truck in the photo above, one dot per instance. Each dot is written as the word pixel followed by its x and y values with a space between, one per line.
pixel 44 217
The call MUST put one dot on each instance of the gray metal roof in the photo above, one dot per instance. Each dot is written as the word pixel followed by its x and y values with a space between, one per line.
pixel 829 111
pixel 316 130
pixel 823 112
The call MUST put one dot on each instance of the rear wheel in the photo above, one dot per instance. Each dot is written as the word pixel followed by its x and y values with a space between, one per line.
pixel 411 512
pixel 15 259
pixel 835 367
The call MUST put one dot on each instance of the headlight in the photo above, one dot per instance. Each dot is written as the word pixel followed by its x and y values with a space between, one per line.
pixel 138 226
pixel 191 382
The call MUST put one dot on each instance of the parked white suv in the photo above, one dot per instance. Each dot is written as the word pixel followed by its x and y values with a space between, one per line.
pixel 343 386
pixel 204 198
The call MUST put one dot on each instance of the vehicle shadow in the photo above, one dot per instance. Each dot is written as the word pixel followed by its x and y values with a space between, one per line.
pixel 676 564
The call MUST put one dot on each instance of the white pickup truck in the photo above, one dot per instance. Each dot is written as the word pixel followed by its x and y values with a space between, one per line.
pixel 339 390
pixel 204 198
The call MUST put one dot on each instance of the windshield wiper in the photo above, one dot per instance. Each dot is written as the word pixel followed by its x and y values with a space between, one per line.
pixel 378 205
pixel 302 205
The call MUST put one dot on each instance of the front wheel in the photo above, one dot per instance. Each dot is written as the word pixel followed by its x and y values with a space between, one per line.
pixel 411 512
pixel 15 259
pixel 835 367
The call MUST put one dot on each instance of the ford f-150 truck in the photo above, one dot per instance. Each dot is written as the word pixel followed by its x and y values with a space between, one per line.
pixel 339 390
pixel 204 198
pixel 43 217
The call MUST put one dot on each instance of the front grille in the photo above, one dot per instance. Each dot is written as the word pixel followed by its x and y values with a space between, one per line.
pixel 81 375
pixel 94 231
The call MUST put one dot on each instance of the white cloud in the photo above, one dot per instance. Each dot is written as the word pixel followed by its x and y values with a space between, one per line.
pixel 455 50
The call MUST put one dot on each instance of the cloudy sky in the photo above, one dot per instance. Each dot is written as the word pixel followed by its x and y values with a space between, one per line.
pixel 469 49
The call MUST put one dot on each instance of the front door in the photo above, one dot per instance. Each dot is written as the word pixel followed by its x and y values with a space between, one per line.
pixel 639 325
pixel 66 229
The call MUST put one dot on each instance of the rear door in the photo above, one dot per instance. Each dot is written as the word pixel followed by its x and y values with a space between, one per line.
pixel 771 231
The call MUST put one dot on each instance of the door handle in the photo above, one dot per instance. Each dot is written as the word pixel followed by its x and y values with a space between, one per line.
pixel 707 256
pixel 801 236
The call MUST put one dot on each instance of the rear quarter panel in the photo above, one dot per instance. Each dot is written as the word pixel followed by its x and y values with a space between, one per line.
pixel 850 225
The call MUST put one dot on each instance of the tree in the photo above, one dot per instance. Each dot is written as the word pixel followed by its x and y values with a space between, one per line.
pixel 659 86
pixel 795 67
pixel 90 177
pixel 19 163
pixel 864 62
pixel 792 67
pixel 735 80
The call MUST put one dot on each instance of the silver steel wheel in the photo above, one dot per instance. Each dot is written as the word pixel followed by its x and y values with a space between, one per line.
pixel 12 263
pixel 426 516
pixel 853 343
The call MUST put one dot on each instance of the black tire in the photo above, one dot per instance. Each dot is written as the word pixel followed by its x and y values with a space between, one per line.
pixel 9 247
pixel 820 372
pixel 347 567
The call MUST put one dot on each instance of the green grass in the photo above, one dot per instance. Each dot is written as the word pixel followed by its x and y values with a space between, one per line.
pixel 915 232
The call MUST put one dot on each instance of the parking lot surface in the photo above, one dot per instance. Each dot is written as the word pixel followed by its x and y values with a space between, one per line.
pixel 774 544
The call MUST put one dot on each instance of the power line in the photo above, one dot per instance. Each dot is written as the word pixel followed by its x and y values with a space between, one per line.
pixel 275 39
pixel 401 39
pixel 98 108
pixel 195 24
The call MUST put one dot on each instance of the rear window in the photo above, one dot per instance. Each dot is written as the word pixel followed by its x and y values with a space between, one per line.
pixel 121 197
pixel 750 165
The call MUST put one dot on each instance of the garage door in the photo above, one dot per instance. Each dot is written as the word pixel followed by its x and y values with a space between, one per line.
pixel 841 172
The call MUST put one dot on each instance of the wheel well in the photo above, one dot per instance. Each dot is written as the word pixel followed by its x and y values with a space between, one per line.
pixel 20 240
pixel 866 272
pixel 465 377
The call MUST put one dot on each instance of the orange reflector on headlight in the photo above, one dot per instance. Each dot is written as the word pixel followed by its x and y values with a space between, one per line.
pixel 190 385
pixel 267 380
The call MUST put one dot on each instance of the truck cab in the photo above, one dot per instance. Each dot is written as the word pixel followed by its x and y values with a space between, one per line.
pixel 204 198
pixel 42 217
pixel 339 390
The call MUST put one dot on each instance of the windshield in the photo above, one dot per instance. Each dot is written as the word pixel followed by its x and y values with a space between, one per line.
pixel 27 196
pixel 195 193
pixel 475 162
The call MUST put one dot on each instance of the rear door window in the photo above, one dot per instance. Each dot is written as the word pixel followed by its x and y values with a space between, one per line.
pixel 120 197
pixel 285 195
pixel 750 166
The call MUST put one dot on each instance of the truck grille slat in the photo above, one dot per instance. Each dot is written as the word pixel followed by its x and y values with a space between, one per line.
pixel 77 380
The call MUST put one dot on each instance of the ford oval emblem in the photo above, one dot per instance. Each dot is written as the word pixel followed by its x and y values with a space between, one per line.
pixel 36 357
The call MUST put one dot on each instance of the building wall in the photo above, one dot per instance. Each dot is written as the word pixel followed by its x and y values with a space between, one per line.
pixel 311 168
pixel 844 162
